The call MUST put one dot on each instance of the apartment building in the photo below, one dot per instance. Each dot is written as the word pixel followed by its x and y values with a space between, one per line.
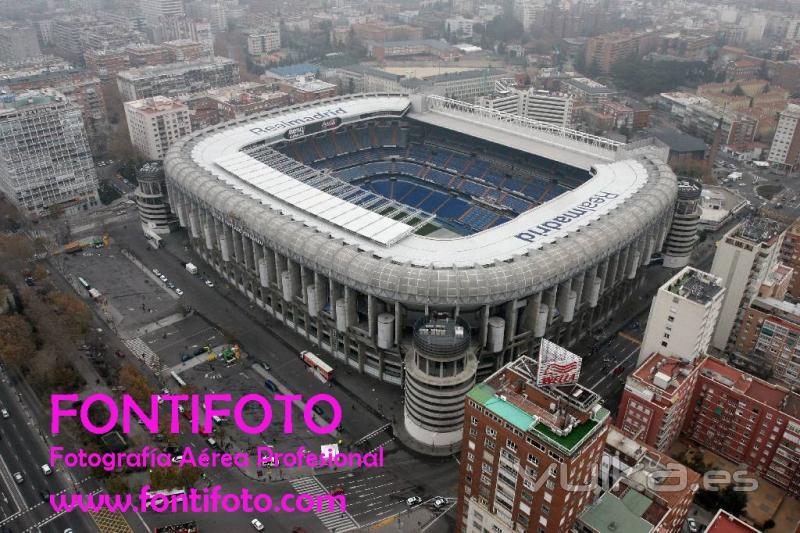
pixel 586 91
pixel 744 258
pixel 229 103
pixel 155 123
pixel 263 41
pixel 790 256
pixel 544 106
pixel 531 453
pixel 383 49
pixel 724 522
pixel 605 51
pixel 785 148
pixel 656 398
pixel 647 491
pixel 683 316
pixel 155 10
pixel 184 50
pixel 307 89
pixel 176 78
pixel 106 64
pixel 45 161
pixel 747 421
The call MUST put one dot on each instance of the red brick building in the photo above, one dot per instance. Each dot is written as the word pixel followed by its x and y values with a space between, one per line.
pixel 530 455
pixel 656 399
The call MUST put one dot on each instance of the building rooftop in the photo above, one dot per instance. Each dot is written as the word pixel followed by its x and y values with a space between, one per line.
pixel 611 514
pixel 660 376
pixel 588 85
pixel 695 285
pixel 290 71
pixel 758 229
pixel 724 522
pixel 10 101
pixel 561 415
pixel 678 141
pixel 774 396
pixel 177 68
pixel 155 104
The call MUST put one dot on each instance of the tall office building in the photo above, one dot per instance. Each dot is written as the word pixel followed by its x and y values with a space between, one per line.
pixel 785 148
pixel 531 453
pixel 682 235
pixel 683 316
pixel 155 10
pixel 154 124
pixel 656 398
pixel 45 161
pixel 744 258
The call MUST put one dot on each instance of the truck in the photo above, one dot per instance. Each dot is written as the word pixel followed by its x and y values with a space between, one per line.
pixel 191 268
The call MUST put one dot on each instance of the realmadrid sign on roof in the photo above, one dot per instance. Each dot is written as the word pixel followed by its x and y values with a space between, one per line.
pixel 557 366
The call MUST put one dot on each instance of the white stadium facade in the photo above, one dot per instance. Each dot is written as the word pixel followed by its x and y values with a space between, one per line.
pixel 422 240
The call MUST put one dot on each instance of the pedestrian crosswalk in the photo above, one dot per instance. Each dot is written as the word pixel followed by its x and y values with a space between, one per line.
pixel 335 521
pixel 143 352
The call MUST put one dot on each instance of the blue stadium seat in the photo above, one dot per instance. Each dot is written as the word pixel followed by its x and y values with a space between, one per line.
pixel 433 202
pixel 417 194
pixel 452 209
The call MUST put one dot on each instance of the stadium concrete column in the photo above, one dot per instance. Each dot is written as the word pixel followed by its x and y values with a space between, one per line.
pixel 398 323
pixel 577 285
pixel 563 292
pixel 207 230
pixel 484 330
pixel 179 208
pixel 238 253
pixel 511 323
pixel 350 297
pixel 247 252
pixel 372 316
pixel 194 221
pixel 611 273
pixel 320 289
pixel 224 241
pixel 257 253
pixel 551 303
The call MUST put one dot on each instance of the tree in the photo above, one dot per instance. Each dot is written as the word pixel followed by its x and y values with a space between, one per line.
pixel 135 384
pixel 73 312
pixel 15 252
pixel 117 485
pixel 738 91
pixel 732 500
pixel 769 524
pixel 16 340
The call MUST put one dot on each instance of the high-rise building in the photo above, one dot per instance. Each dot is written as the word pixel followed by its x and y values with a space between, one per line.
pixel 682 235
pixel 790 256
pixel 544 106
pixel 531 453
pixel 605 51
pixel 656 399
pixel 785 148
pixel 173 79
pixel 646 491
pixel 154 124
pixel 529 12
pixel 155 10
pixel 744 258
pixel 45 161
pixel 18 43
pixel 263 41
pixel 152 201
pixel 683 316
pixel 747 421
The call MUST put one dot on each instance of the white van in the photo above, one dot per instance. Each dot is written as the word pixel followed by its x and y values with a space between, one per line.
pixel 211 442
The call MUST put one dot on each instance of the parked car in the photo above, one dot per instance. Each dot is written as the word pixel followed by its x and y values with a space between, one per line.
pixel 439 502
pixel 18 478
pixel 178 292
pixel 413 501
pixel 170 285
pixel 4 413
pixel 157 272
pixel 257 525
pixel 209 283
pixel 338 491
pixel 163 278
pixel 692 523
pixel 46 470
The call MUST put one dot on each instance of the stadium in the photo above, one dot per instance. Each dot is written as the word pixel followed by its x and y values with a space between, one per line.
pixel 352 219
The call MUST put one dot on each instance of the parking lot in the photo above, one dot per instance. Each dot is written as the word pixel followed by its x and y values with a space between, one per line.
pixel 133 297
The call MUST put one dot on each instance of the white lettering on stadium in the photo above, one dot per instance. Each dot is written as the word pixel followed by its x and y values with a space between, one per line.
pixel 555 223
pixel 319 115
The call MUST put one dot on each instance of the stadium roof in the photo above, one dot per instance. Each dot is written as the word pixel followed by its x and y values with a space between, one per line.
pixel 221 154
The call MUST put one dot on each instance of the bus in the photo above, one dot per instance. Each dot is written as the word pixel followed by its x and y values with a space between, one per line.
pixel 322 369
pixel 171 495
pixel 153 240
pixel 84 284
